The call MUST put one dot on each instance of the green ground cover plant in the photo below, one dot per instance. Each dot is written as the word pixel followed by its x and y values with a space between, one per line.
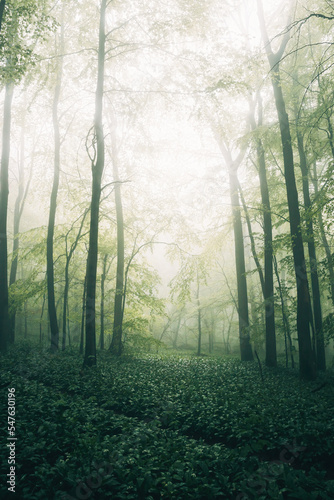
pixel 173 427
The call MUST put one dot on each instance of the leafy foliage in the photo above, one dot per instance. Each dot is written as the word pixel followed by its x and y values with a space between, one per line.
pixel 166 427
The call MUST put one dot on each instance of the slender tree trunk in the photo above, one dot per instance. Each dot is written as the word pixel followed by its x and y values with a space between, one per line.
pixel 306 356
pixel 40 322
pixel 25 320
pixel 251 237
pixel 69 255
pixel 97 171
pixel 319 338
pixel 18 209
pixel 82 325
pixel 116 343
pixel 65 302
pixel 242 306
pixel 4 189
pixel 103 278
pixel 268 286
pixel 176 335
pixel 53 202
pixel 286 324
pixel 245 346
pixel 199 322
pixel 330 262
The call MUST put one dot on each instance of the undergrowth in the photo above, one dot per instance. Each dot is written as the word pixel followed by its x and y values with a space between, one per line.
pixel 165 427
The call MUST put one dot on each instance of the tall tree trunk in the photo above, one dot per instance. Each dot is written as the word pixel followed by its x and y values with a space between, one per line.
pixel 306 356
pixel 65 301
pixel 103 278
pixel 246 352
pixel 199 322
pixel 330 263
pixel 40 322
pixel 97 171
pixel 18 209
pixel 116 343
pixel 4 189
pixel 245 346
pixel 83 312
pixel 319 337
pixel 53 201
pixel 268 288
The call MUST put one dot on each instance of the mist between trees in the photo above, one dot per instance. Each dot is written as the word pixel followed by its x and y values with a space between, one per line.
pixel 167 178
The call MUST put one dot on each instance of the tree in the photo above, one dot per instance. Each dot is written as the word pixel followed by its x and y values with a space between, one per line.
pixel 15 58
pixel 18 209
pixel 319 338
pixel 4 189
pixel 69 251
pixel 306 356
pixel 116 342
pixel 268 285
pixel 232 166
pixel 97 164
pixel 53 198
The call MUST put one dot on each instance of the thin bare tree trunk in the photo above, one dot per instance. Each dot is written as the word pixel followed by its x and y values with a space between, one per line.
pixel 97 171
pixel 4 189
pixel 53 201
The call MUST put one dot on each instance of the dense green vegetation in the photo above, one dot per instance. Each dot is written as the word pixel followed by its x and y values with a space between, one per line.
pixel 162 426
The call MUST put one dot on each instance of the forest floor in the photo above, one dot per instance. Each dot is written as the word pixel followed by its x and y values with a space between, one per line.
pixel 159 426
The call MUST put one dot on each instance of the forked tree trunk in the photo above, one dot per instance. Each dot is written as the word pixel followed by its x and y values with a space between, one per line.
pixel 246 352
pixel 68 254
pixel 97 170
pixel 306 356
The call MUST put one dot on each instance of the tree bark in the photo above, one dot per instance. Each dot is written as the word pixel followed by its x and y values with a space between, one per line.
pixel 116 343
pixel 245 346
pixel 286 324
pixel 268 287
pixel 199 321
pixel 176 334
pixel 319 338
pixel 251 237
pixel 53 202
pixel 246 352
pixel 103 278
pixel 4 190
pixel 97 170
pixel 83 312
pixel 330 263
pixel 68 255
pixel 18 209
pixel 306 356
